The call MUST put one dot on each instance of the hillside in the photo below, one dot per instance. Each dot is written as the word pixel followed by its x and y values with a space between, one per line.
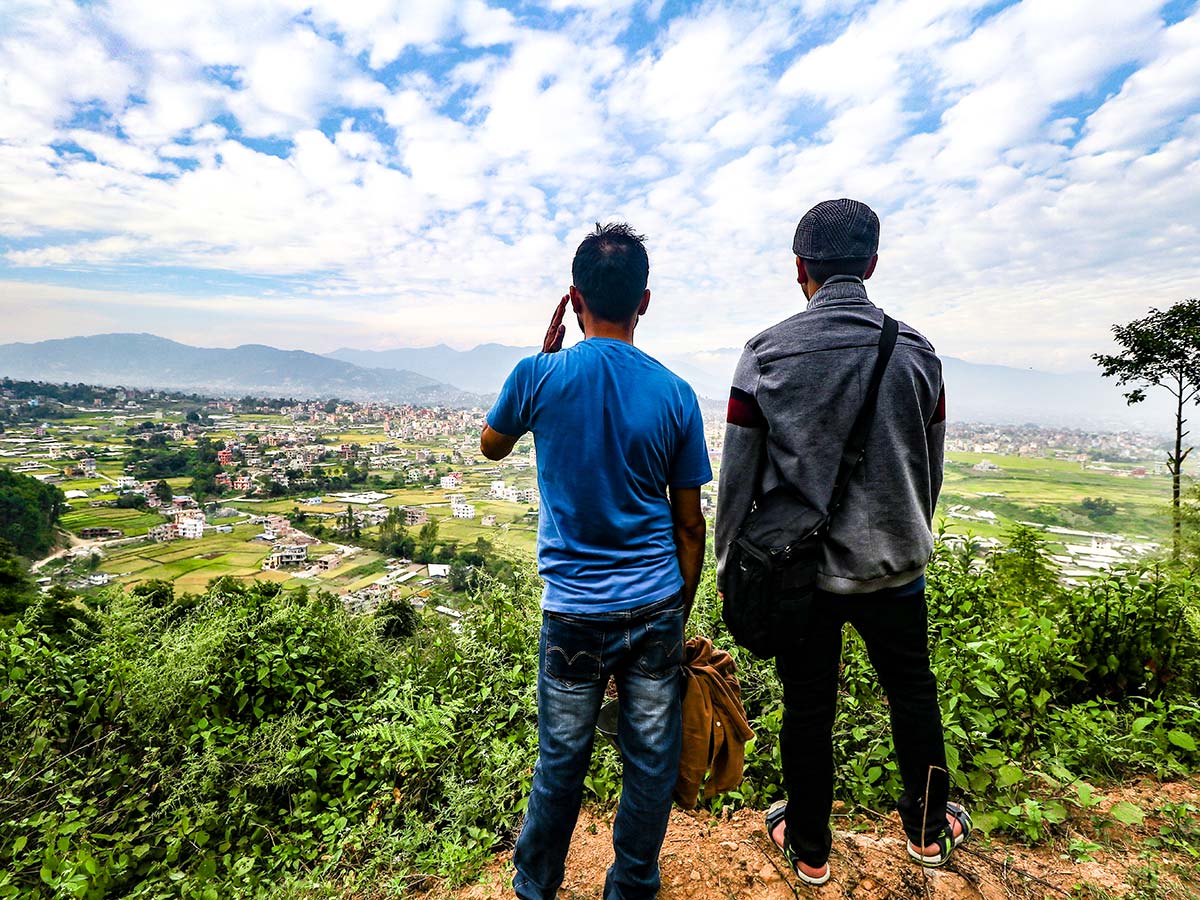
pixel 144 360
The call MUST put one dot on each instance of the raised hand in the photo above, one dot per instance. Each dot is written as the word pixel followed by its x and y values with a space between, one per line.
pixel 557 330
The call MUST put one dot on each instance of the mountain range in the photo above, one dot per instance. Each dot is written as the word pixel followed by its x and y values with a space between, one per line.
pixel 443 375
pixel 147 361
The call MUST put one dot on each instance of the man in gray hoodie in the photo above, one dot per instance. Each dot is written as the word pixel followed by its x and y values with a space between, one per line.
pixel 798 387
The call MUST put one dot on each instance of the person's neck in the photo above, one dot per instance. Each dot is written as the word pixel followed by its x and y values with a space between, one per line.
pixel 617 331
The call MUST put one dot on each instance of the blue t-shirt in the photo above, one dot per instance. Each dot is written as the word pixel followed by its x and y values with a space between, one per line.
pixel 613 427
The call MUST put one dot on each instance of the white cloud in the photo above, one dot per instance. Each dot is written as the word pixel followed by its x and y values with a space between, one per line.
pixel 435 164
pixel 289 83
pixel 1014 69
pixel 707 68
pixel 869 57
pixel 50 65
pixel 385 29
pixel 1162 92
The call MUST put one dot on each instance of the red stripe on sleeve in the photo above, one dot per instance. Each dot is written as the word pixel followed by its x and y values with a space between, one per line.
pixel 939 414
pixel 744 410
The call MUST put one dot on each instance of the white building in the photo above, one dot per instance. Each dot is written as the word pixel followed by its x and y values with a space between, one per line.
pixel 190 527
pixel 463 511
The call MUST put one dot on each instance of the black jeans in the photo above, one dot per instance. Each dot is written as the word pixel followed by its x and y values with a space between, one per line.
pixel 892 624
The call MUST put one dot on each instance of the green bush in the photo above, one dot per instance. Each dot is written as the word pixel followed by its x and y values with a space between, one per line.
pixel 249 741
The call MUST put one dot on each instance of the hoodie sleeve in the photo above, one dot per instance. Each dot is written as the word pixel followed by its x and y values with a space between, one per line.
pixel 741 457
pixel 935 438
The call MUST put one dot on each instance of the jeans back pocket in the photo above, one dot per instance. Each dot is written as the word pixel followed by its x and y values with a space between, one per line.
pixel 574 650
pixel 660 647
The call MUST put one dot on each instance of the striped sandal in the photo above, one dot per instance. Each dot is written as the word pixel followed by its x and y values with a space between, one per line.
pixel 775 815
pixel 945 839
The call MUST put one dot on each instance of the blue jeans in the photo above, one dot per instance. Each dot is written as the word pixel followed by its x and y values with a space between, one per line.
pixel 643 649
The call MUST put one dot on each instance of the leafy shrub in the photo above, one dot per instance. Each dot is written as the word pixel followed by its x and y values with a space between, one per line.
pixel 1134 633
pixel 227 744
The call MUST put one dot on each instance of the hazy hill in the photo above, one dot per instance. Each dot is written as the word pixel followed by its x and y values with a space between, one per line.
pixel 976 393
pixel 144 360
pixel 482 369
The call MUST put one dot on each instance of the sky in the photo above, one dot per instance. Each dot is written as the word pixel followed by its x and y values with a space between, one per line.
pixel 314 174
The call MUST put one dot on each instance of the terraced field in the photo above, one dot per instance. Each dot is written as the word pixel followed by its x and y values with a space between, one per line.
pixel 1050 491
pixel 192 564
pixel 133 522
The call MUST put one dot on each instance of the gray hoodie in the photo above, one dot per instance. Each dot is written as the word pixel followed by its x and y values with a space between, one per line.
pixel 796 392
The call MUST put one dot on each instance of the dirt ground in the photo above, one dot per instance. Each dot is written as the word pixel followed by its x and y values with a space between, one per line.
pixel 731 858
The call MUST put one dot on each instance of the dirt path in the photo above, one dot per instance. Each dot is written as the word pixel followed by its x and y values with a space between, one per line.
pixel 72 543
pixel 731 858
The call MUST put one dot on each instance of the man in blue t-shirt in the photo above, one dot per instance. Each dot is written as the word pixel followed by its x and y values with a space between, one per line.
pixel 621 458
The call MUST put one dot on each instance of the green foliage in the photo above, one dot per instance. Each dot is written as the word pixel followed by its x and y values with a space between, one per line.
pixel 1098 507
pixel 213 746
pixel 16 589
pixel 427 541
pixel 130 500
pixel 163 492
pixel 29 512
pixel 227 743
pixel 1023 571
pixel 394 539
pixel 397 619
pixel 1135 635
pixel 1162 350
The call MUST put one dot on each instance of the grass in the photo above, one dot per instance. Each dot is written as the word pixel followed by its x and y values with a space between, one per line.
pixel 1050 491
pixel 191 564
pixel 133 522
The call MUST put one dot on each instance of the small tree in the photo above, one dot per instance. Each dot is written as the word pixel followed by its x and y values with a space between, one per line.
pixel 163 491
pixel 1023 570
pixel 1161 350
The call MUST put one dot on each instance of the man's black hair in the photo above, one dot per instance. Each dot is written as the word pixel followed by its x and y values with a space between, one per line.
pixel 610 270
pixel 821 270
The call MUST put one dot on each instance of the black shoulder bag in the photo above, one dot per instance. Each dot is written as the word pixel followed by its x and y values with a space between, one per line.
pixel 771 571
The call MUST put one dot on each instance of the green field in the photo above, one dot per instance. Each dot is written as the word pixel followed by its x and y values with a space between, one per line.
pixel 133 522
pixel 1050 491
pixel 192 563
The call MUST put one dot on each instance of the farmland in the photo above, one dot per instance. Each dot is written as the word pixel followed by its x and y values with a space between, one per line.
pixel 312 464
pixel 1050 492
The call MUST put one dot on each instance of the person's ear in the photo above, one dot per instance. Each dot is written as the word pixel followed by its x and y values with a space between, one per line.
pixel 871 267
pixel 801 272
pixel 645 304
pixel 577 302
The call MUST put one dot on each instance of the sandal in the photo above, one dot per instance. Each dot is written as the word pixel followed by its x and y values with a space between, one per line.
pixel 945 839
pixel 775 815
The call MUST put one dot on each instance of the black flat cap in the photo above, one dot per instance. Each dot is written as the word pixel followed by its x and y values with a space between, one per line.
pixel 837 229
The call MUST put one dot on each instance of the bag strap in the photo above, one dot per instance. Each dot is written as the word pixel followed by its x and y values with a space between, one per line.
pixel 856 444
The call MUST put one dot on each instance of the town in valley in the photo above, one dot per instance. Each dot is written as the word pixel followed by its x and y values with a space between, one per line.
pixel 376 502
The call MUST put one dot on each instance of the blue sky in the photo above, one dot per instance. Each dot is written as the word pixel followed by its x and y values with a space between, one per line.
pixel 377 174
